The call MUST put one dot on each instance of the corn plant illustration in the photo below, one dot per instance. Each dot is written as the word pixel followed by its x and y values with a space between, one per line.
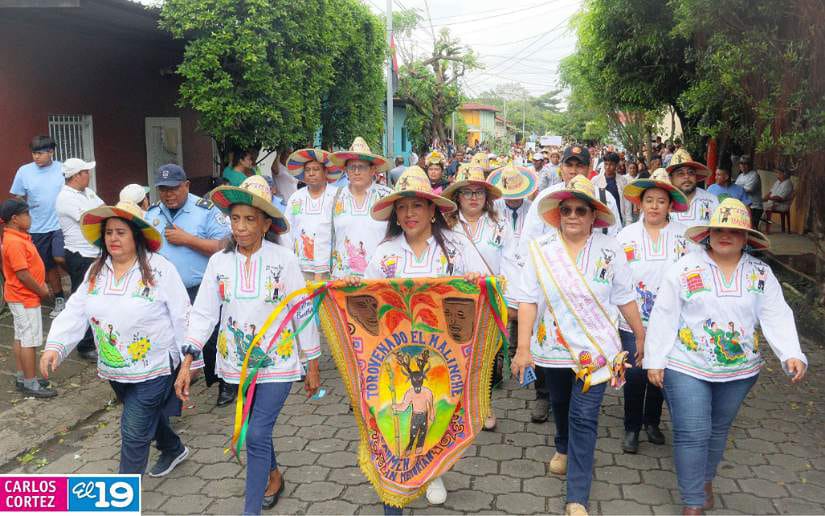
pixel 408 301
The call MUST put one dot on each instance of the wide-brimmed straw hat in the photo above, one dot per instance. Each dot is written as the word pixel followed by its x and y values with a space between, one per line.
pixel 255 192
pixel 579 188
pixel 659 179
pixel 435 158
pixel 412 183
pixel 482 160
pixel 730 214
pixel 683 159
pixel 91 223
pixel 298 159
pixel 515 182
pixel 469 175
pixel 361 151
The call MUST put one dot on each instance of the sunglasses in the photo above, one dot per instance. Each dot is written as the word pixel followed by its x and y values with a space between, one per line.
pixel 580 211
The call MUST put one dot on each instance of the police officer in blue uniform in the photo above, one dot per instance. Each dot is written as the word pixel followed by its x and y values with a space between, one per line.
pixel 192 230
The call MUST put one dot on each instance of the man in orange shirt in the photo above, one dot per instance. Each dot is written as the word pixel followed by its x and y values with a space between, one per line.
pixel 25 286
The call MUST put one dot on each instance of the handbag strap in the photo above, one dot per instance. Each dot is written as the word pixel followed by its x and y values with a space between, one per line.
pixel 332 227
pixel 470 238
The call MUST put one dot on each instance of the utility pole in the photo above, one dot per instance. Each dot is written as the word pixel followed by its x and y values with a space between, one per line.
pixel 389 153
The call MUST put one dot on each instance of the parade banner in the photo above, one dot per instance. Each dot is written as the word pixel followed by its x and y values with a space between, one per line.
pixel 416 357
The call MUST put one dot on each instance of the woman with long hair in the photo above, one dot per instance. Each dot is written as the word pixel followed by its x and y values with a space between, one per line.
pixel 577 278
pixel 650 246
pixel 419 244
pixel 137 307
pixel 478 219
pixel 704 347
pixel 240 288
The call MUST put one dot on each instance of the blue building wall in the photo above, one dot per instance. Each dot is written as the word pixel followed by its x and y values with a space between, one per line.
pixel 402 146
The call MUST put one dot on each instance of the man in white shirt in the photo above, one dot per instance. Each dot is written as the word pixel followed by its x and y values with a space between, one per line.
pixel 74 199
pixel 284 181
pixel 614 183
pixel 750 181
pixel 684 176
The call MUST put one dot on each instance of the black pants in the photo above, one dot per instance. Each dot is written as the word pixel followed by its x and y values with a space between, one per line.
pixel 642 400
pixel 756 216
pixel 498 368
pixel 210 349
pixel 77 265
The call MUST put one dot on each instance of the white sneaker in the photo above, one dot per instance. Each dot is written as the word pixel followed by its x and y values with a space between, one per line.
pixel 59 305
pixel 436 492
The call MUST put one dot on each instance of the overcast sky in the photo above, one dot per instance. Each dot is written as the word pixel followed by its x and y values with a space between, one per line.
pixel 517 40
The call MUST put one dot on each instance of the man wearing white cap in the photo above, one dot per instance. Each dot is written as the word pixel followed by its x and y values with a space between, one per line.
pixel 137 194
pixel 74 199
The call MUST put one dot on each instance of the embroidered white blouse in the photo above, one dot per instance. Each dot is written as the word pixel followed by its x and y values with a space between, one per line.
pixel 702 207
pixel 705 326
pixel 534 226
pixel 242 292
pixel 395 259
pixel 648 261
pixel 357 234
pixel 138 328
pixel 310 221
pixel 489 238
pixel 510 259
pixel 605 268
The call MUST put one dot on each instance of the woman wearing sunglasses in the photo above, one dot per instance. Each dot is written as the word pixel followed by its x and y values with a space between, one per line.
pixel 584 282
pixel 478 220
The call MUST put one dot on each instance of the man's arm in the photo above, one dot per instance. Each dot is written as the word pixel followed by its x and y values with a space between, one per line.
pixel 205 246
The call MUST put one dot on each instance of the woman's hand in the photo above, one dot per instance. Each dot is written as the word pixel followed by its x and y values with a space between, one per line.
pixel 656 377
pixel 313 379
pixel 352 281
pixel 796 368
pixel 472 277
pixel 48 362
pixel 521 361
pixel 184 379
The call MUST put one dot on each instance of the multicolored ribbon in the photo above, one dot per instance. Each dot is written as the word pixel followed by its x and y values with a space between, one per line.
pixel 246 390
pixel 491 294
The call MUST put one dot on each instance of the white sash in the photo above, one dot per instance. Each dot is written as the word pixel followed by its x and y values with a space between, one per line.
pixel 587 330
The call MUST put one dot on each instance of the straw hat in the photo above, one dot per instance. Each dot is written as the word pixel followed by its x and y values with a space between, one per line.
pixel 731 214
pixel 468 175
pixel 579 188
pixel 412 183
pixel 481 159
pixel 297 160
pixel 361 151
pixel 514 182
pixel 682 159
pixel 659 179
pixel 435 158
pixel 255 192
pixel 91 223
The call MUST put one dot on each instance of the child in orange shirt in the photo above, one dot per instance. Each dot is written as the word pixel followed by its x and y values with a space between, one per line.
pixel 25 276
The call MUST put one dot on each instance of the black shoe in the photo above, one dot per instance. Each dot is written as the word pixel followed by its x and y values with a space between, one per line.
pixel 90 355
pixel 166 463
pixel 654 435
pixel 226 393
pixel 541 411
pixel 40 392
pixel 271 500
pixel 631 442
pixel 18 383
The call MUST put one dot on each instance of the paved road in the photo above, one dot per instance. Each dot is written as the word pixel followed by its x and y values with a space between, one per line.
pixel 775 461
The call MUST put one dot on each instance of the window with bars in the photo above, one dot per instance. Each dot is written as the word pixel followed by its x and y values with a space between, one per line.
pixel 73 138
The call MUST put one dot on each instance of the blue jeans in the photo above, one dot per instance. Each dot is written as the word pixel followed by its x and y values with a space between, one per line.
pixel 145 418
pixel 390 510
pixel 642 400
pixel 576 415
pixel 260 452
pixel 702 413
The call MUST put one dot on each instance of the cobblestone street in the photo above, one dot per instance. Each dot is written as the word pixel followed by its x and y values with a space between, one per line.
pixel 774 463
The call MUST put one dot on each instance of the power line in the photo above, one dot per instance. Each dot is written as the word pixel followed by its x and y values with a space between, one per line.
pixel 497 9
pixel 516 11
pixel 508 65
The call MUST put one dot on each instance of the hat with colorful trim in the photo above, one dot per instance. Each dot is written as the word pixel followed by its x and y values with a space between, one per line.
pixel 579 188
pixel 435 158
pixel 683 159
pixel 730 214
pixel 361 151
pixel 298 159
pixel 659 179
pixel 255 192
pixel 515 182
pixel 412 183
pixel 91 223
pixel 469 175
